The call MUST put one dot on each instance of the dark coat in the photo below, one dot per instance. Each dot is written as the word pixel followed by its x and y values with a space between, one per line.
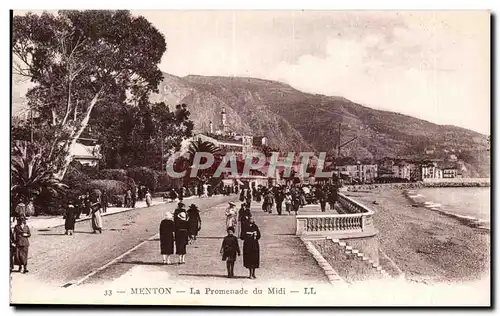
pixel 194 221
pixel 22 244
pixel 251 249
pixel 70 216
pixel 22 241
pixel 167 229
pixel 230 248
pixel 181 236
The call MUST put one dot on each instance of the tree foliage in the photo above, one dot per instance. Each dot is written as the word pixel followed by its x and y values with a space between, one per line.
pixel 81 60
pixel 133 136
pixel 32 177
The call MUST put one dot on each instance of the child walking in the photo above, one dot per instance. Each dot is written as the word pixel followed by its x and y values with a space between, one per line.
pixel 230 248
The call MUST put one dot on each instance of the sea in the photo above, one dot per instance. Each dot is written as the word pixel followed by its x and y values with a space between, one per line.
pixel 473 202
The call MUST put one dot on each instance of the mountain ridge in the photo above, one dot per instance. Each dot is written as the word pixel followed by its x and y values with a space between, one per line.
pixel 293 120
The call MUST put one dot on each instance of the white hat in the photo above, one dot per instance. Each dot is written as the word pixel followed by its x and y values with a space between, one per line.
pixel 182 216
pixel 169 215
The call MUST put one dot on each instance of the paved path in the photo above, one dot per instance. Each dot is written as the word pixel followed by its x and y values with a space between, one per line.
pixel 57 259
pixel 283 255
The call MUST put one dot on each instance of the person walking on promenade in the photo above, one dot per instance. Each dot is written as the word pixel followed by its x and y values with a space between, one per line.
pixel 321 197
pixel 104 201
pixel 229 249
pixel 288 202
pixel 248 197
pixel 96 219
pixel 181 235
pixel 180 194
pixel 269 199
pixel 194 222
pixel 69 220
pixel 295 203
pixel 279 197
pixel 21 235
pixel 251 249
pixel 244 215
pixel 231 216
pixel 205 190
pixel 167 229
pixel 179 209
pixel 148 199
pixel 332 197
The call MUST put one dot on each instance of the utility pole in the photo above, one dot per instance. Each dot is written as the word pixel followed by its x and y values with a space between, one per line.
pixel 162 150
pixel 339 145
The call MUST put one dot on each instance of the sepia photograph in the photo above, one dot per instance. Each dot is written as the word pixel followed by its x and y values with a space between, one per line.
pixel 250 158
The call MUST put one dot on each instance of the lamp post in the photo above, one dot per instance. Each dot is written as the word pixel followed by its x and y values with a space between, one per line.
pixel 338 152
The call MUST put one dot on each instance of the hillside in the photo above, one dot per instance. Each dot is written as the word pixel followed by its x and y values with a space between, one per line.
pixel 296 121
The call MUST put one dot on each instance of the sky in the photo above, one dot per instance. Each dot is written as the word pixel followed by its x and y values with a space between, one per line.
pixel 430 65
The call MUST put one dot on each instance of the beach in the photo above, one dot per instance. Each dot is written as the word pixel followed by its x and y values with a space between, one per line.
pixel 426 245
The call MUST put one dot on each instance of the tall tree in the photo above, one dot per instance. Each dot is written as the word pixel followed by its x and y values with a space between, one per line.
pixel 80 60
pixel 139 136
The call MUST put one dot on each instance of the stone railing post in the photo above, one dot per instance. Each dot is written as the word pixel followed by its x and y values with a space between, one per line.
pixel 301 226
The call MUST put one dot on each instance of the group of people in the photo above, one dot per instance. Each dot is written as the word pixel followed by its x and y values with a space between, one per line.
pixel 249 232
pixel 179 229
pixel 290 197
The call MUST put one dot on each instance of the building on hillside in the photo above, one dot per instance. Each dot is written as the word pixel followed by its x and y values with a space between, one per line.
pixel 385 168
pixel 431 171
pixel 415 171
pixel 359 173
pixel 450 170
pixel 227 140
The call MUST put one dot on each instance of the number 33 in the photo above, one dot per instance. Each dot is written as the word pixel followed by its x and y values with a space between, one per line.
pixel 108 292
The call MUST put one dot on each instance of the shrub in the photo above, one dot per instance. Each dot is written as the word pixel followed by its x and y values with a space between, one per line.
pixel 144 176
pixel 118 175
pixel 112 187
pixel 113 174
pixel 165 182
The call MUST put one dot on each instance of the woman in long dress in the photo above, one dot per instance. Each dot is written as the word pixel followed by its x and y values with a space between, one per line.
pixel 231 216
pixel 21 235
pixel 167 229
pixel 69 220
pixel 251 249
pixel 181 235
pixel 148 199
pixel 194 221
pixel 96 220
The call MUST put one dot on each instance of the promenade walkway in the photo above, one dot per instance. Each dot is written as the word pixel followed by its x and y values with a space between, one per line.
pixel 284 258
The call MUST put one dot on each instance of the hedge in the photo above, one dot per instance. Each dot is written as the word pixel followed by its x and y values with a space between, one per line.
pixel 118 175
pixel 144 176
pixel 112 187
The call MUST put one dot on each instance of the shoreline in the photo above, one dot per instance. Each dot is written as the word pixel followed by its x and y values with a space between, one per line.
pixel 417 200
pixel 426 245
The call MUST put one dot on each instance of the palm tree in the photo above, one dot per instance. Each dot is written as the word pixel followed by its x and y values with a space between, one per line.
pixel 31 174
pixel 201 146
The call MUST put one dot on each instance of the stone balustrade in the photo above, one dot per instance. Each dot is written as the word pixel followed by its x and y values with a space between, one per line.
pixel 355 219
